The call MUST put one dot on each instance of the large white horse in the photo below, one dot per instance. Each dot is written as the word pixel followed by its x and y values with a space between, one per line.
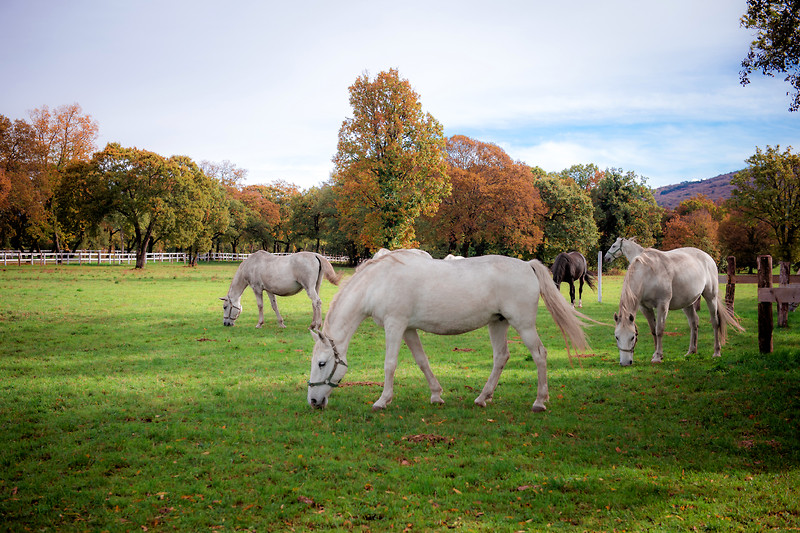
pixel 281 275
pixel 405 292
pixel 622 246
pixel 659 281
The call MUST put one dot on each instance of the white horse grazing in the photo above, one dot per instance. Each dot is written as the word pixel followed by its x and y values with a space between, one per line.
pixel 406 292
pixel 281 275
pixel 622 246
pixel 659 281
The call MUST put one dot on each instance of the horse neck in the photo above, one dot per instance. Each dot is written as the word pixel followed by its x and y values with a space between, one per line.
pixel 631 249
pixel 344 316
pixel 238 284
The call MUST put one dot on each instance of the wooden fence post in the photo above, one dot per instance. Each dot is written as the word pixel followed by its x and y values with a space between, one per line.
pixel 783 308
pixel 730 287
pixel 764 308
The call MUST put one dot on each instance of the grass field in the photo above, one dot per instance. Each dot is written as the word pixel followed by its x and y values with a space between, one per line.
pixel 125 405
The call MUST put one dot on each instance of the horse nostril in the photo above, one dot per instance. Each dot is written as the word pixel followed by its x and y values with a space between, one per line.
pixel 313 401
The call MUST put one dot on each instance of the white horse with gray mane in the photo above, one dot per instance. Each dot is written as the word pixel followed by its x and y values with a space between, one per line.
pixel 278 275
pixel 658 281
pixel 405 292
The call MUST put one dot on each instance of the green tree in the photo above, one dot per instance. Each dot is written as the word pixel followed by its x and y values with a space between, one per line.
pixel 389 162
pixel 161 199
pixel 625 207
pixel 768 190
pixel 585 176
pixel 776 47
pixel 569 221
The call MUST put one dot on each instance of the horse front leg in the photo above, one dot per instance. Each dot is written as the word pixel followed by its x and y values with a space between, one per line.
pixel 274 304
pixel 498 333
pixel 415 345
pixel 260 303
pixel 394 337
pixel 657 328
pixel 694 327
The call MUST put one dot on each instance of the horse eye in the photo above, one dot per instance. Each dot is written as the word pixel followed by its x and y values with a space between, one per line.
pixel 322 363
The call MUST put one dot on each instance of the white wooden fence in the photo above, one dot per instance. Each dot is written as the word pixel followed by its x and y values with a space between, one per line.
pixel 87 257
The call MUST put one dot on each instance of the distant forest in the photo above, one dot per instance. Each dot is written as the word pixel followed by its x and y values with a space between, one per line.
pixel 717 188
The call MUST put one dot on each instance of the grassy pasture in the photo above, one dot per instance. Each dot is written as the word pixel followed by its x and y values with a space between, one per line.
pixel 125 405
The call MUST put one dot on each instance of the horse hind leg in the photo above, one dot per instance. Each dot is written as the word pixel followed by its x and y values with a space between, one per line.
pixel 534 344
pixel 316 307
pixel 412 341
pixel 572 293
pixel 580 292
pixel 498 330
pixel 694 327
pixel 274 303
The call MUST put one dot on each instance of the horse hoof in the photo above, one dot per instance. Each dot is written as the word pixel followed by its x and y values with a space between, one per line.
pixel 538 408
pixel 480 403
pixel 437 400
pixel 376 407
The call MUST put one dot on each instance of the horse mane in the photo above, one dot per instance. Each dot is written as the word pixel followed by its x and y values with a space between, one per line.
pixel 559 267
pixel 631 285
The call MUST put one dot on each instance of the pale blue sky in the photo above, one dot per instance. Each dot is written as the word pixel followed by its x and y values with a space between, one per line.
pixel 647 86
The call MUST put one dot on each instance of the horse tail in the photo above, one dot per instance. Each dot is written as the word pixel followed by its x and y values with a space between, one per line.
pixel 725 318
pixel 563 314
pixel 328 271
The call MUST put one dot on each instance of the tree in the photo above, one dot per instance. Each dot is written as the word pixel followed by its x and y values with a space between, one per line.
pixel 744 239
pixel 585 176
pixel 22 207
pixel 200 209
pixel 776 48
pixel 569 220
pixel 493 207
pixel 65 135
pixel 768 190
pixel 625 207
pixel 696 229
pixel 389 162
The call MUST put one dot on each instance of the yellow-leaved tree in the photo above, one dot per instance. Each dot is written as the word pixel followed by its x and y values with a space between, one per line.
pixel 390 163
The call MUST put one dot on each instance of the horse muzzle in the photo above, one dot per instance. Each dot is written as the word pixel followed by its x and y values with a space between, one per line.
pixel 318 403
pixel 625 357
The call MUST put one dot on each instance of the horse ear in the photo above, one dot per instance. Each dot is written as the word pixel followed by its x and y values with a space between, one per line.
pixel 223 299
pixel 314 333
pixel 616 318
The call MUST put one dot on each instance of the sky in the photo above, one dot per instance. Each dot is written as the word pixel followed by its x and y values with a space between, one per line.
pixel 642 85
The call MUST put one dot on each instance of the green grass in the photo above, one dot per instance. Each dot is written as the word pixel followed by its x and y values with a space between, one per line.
pixel 125 405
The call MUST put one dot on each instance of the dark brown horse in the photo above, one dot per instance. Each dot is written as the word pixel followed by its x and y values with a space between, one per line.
pixel 570 267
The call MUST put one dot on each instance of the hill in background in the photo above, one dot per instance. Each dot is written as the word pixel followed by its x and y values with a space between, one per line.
pixel 718 188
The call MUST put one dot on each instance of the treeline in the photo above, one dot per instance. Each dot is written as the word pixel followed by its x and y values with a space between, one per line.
pixel 57 192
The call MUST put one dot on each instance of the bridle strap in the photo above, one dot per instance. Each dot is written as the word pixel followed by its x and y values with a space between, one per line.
pixel 233 306
pixel 337 360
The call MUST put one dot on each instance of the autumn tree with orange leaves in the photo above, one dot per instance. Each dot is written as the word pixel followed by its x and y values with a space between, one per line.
pixel 389 165
pixel 494 206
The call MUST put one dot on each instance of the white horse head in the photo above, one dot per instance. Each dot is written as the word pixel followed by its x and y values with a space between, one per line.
pixel 328 368
pixel 626 334
pixel 230 311
pixel 613 252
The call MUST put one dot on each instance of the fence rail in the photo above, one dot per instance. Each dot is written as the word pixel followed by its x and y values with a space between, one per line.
pixel 79 257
